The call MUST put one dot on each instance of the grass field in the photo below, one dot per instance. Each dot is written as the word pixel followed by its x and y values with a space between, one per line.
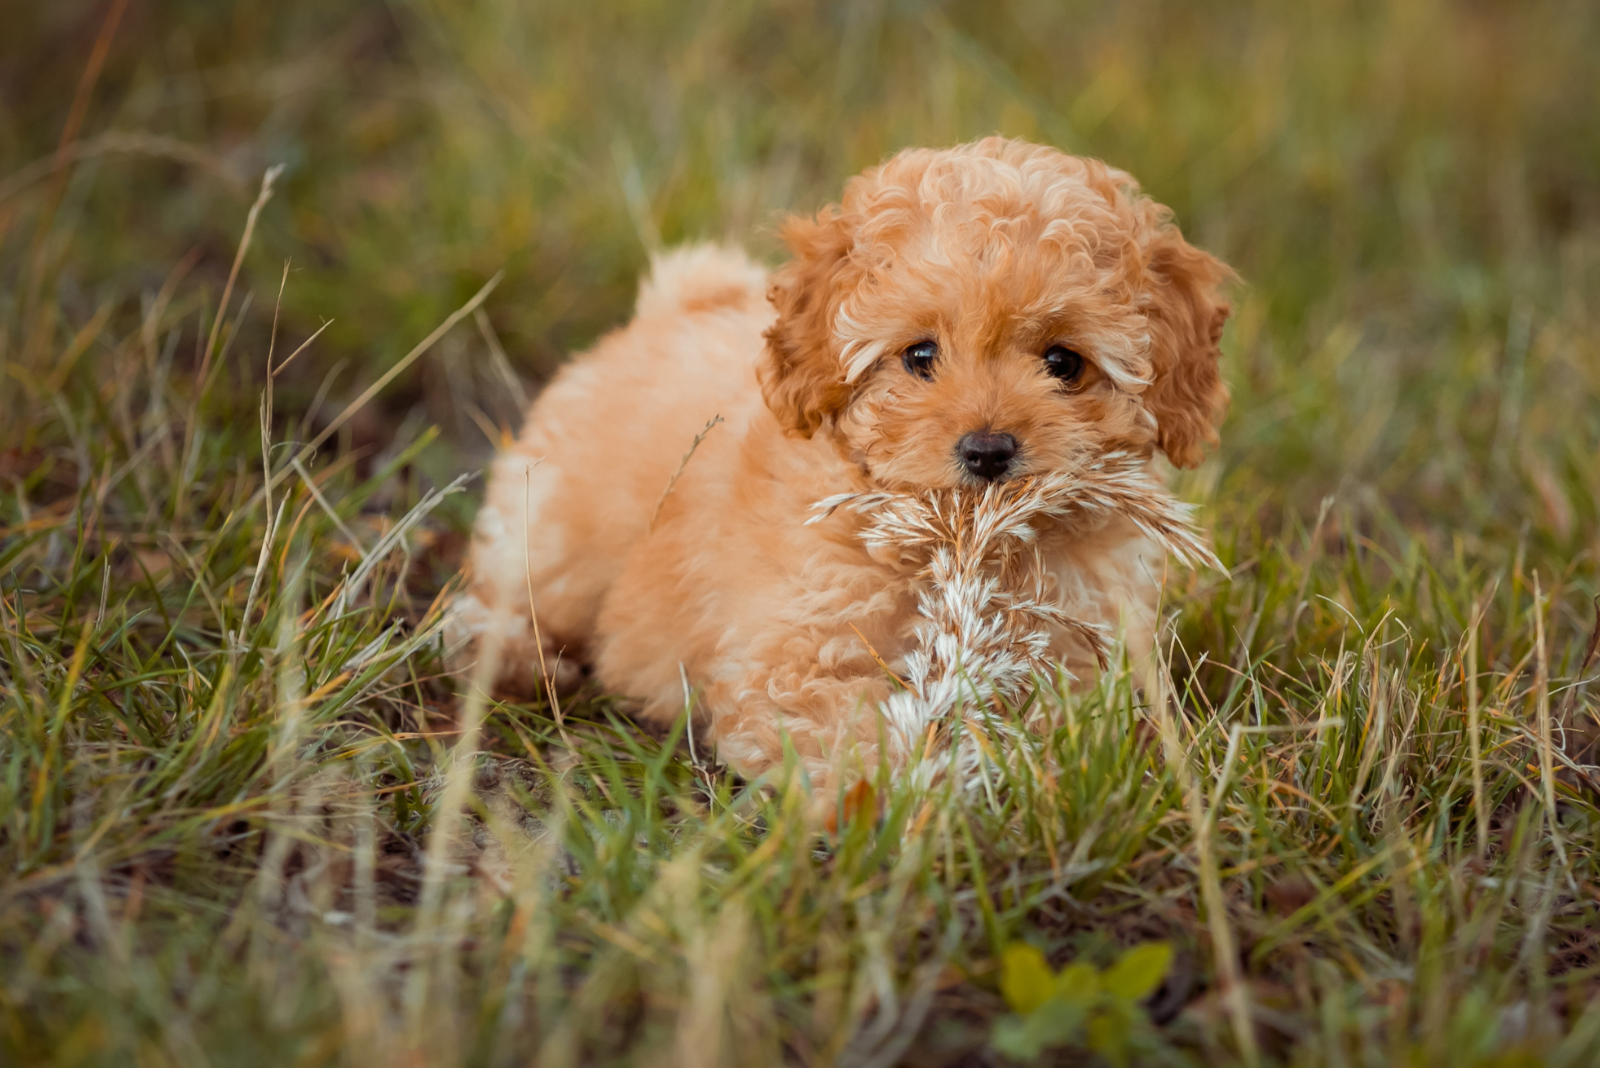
pixel 231 767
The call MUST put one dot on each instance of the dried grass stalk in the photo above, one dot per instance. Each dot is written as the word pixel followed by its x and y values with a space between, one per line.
pixel 987 610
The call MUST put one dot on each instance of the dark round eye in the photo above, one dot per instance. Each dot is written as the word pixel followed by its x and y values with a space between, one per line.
pixel 919 358
pixel 1063 363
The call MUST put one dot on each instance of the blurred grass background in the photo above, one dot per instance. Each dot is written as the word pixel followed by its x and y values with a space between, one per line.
pixel 1411 191
pixel 219 766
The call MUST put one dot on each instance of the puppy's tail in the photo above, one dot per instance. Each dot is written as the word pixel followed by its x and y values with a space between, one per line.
pixel 702 278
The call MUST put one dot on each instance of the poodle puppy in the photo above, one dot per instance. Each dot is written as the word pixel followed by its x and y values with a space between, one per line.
pixel 962 315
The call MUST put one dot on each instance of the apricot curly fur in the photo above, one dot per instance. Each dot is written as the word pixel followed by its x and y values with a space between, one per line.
pixel 993 251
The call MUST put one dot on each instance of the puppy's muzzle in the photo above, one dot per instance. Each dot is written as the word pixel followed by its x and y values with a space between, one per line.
pixel 987 455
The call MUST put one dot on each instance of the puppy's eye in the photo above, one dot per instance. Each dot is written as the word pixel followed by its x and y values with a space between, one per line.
pixel 919 358
pixel 1063 363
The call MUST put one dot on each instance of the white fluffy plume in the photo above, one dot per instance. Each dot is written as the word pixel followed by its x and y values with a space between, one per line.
pixel 987 613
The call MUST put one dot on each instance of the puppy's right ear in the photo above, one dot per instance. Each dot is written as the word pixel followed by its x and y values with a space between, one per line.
pixel 802 378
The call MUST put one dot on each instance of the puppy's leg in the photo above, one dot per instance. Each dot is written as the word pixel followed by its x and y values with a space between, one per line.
pixel 529 578
pixel 1112 578
pixel 831 725
pixel 779 661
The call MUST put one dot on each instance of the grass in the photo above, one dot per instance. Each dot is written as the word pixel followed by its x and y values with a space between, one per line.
pixel 1362 814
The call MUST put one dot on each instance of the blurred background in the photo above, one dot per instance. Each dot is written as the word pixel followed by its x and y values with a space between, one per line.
pixel 1410 192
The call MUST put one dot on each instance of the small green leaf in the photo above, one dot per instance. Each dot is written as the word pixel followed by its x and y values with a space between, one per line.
pixel 1055 1023
pixel 1025 977
pixel 1012 1037
pixel 1109 1035
pixel 1139 972
pixel 1078 984
pixel 1023 1038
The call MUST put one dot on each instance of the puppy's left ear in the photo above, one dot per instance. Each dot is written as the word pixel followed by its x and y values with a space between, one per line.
pixel 1186 314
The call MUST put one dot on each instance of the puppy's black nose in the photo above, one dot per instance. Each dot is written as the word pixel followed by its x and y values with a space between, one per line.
pixel 986 454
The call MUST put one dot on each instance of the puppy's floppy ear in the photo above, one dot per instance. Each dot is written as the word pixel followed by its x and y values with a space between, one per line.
pixel 1186 314
pixel 802 379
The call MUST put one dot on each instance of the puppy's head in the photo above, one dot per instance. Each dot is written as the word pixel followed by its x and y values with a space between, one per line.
pixel 994 310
